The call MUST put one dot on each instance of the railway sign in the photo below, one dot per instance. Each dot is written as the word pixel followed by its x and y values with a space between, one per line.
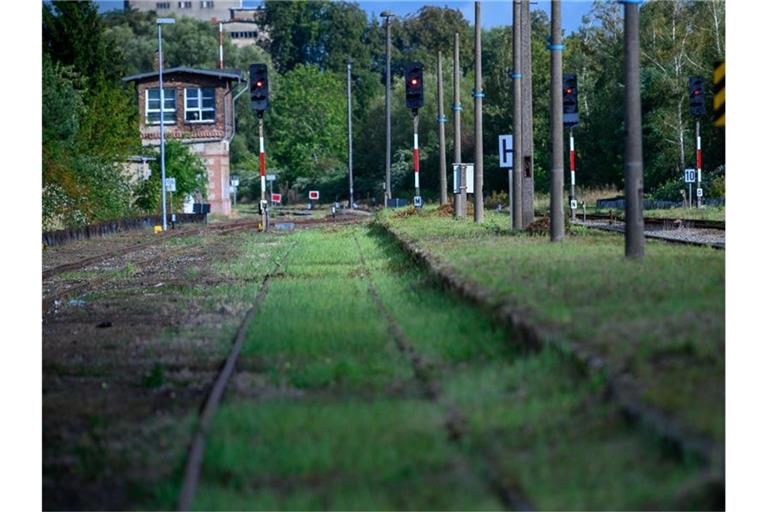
pixel 314 195
pixel 469 176
pixel 271 177
pixel 506 151
pixel 277 198
pixel 170 184
pixel 417 202
pixel 699 192
pixel 690 176
pixel 574 204
pixel 235 181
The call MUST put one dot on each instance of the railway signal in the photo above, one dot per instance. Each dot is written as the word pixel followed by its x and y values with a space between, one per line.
pixel 414 85
pixel 259 87
pixel 259 82
pixel 414 99
pixel 696 96
pixel 698 109
pixel 570 99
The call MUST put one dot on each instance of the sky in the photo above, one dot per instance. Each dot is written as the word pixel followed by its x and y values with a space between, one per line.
pixel 494 12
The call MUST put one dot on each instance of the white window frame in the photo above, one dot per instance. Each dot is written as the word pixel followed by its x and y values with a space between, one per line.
pixel 168 119
pixel 162 5
pixel 186 4
pixel 206 4
pixel 200 109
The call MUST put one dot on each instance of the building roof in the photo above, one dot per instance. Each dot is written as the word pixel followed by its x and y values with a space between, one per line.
pixel 224 74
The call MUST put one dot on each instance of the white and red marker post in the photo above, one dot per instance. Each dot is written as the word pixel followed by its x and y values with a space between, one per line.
pixel 698 165
pixel 573 174
pixel 263 172
pixel 221 45
pixel 417 199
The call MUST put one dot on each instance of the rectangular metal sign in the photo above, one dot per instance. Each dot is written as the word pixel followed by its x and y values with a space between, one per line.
pixel 276 198
pixel 699 192
pixel 234 181
pixel 690 176
pixel 506 151
pixel 270 177
pixel 170 184
pixel 470 177
pixel 314 195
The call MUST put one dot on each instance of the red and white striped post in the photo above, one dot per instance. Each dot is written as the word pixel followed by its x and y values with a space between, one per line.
pixel 573 174
pixel 221 46
pixel 262 163
pixel 698 164
pixel 417 202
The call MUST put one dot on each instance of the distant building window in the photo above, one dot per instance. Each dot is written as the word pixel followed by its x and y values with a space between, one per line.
pixel 163 5
pixel 206 4
pixel 152 106
pixel 200 105
pixel 243 35
pixel 185 5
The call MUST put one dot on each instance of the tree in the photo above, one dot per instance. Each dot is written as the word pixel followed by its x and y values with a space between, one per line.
pixel 180 163
pixel 307 123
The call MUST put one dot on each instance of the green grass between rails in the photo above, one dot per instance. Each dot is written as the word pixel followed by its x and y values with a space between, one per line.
pixel 335 419
pixel 662 319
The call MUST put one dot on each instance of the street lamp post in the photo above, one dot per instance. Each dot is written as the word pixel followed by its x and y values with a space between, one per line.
pixel 160 23
pixel 388 105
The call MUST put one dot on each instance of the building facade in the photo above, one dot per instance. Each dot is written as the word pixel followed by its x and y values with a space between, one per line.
pixel 198 112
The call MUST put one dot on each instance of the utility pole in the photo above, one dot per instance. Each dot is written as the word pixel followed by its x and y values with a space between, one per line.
pixel 441 130
pixel 634 236
pixel 556 220
pixel 460 198
pixel 479 211
pixel 388 107
pixel 349 130
pixel 160 23
pixel 516 197
pixel 527 115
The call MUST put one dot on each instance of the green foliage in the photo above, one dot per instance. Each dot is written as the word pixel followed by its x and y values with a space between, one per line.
pixel 180 163
pixel 308 123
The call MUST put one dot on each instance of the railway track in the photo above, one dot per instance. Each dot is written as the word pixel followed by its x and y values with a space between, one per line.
pixel 699 233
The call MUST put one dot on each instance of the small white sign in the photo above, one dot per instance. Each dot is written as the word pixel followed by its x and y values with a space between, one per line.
pixel 170 184
pixel 314 195
pixel 417 202
pixel 506 151
pixel 470 177
pixel 235 181
pixel 271 177
pixel 699 192
pixel 574 204
pixel 690 175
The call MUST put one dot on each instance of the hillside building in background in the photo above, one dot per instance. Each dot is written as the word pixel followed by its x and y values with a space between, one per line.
pixel 198 112
pixel 238 22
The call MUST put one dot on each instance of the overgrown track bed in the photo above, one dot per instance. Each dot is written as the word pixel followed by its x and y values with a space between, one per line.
pixel 362 384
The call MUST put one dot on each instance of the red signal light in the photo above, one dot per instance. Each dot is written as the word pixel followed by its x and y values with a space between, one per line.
pixel 696 92
pixel 259 84
pixel 569 91
pixel 414 81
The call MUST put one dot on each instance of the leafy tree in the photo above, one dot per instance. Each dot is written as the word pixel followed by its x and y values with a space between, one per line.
pixel 180 163
pixel 307 123
pixel 73 34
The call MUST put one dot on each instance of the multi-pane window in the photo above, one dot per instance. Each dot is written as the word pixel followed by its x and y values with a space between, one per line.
pixel 200 104
pixel 153 106
pixel 206 4
pixel 242 35
pixel 185 5
pixel 163 5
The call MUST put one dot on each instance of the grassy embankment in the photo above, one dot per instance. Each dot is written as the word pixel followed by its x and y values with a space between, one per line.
pixel 327 412
pixel 661 320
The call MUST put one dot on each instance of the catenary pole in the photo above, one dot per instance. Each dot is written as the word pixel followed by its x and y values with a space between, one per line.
pixel 441 130
pixel 634 241
pixel 349 131
pixel 479 212
pixel 516 197
pixel 460 198
pixel 388 107
pixel 556 220
pixel 527 114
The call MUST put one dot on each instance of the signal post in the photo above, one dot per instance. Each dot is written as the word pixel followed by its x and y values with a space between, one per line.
pixel 414 99
pixel 259 82
pixel 571 119
pixel 698 109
